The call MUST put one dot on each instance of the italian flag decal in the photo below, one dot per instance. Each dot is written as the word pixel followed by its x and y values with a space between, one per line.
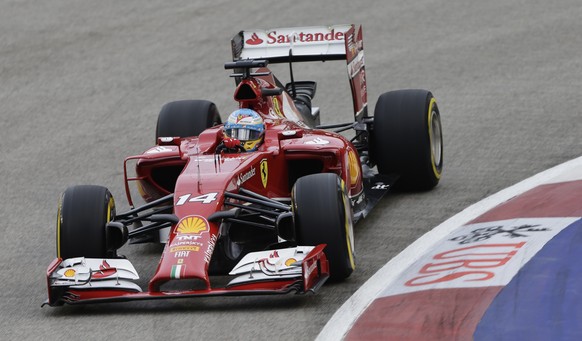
pixel 177 271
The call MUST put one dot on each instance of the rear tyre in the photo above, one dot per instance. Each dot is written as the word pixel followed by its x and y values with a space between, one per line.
pixel 323 215
pixel 407 138
pixel 83 213
pixel 186 118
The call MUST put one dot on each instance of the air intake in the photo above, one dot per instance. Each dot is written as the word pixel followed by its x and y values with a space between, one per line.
pixel 244 93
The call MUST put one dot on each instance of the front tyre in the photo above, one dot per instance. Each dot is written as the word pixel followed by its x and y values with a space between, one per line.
pixel 83 213
pixel 323 215
pixel 407 138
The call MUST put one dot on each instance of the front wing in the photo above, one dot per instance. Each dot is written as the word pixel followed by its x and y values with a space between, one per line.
pixel 82 280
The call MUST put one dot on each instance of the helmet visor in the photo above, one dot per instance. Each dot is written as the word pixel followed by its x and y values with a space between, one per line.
pixel 243 134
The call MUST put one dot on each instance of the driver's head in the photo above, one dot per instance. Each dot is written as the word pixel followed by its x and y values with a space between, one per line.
pixel 247 126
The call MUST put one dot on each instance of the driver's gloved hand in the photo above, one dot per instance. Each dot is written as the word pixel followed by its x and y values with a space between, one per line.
pixel 230 145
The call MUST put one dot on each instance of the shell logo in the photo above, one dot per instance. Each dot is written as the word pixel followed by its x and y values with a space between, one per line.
pixel 192 225
pixel 290 261
pixel 70 273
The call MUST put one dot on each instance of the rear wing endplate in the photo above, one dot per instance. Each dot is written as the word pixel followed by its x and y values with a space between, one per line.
pixel 303 44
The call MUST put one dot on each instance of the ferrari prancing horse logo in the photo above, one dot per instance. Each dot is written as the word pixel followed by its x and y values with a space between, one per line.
pixel 264 172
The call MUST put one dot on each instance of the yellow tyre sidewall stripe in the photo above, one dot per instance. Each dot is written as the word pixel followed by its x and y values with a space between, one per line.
pixel 431 105
pixel 110 208
pixel 59 218
pixel 347 226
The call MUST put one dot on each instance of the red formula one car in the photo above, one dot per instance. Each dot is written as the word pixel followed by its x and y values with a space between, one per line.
pixel 266 200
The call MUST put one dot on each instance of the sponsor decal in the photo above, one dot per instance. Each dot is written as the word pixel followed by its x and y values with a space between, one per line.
pixel 159 149
pixel 183 251
pixel 274 254
pixel 178 271
pixel 243 118
pixel 204 198
pixel 192 225
pixel 184 248
pixel 70 273
pixel 187 239
pixel 242 178
pixel 473 263
pixel 105 270
pixel 290 261
pixel 358 200
pixel 233 158
pixel 355 47
pixel 166 139
pixel 264 172
pixel 289 132
pixel 303 37
pixel 355 44
pixel 485 233
pixel 317 140
pixel 380 185
pixel 356 64
pixel 363 89
pixel 479 255
pixel 204 159
pixel 182 254
pixel 354 167
pixel 356 68
pixel 310 270
pixel 208 252
pixel 215 158
pixel 254 40
pixel 189 231
pixel 352 49
pixel 277 107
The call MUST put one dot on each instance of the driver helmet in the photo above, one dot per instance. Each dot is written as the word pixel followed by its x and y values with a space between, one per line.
pixel 247 126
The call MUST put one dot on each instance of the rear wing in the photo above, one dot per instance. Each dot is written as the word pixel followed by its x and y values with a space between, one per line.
pixel 303 44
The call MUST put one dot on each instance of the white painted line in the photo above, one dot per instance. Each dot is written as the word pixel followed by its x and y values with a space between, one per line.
pixel 344 318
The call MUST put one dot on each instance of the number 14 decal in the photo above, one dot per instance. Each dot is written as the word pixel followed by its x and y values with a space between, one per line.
pixel 205 198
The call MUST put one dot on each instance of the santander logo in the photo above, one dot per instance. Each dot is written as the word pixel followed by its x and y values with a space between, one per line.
pixel 254 40
pixel 286 37
pixel 305 37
